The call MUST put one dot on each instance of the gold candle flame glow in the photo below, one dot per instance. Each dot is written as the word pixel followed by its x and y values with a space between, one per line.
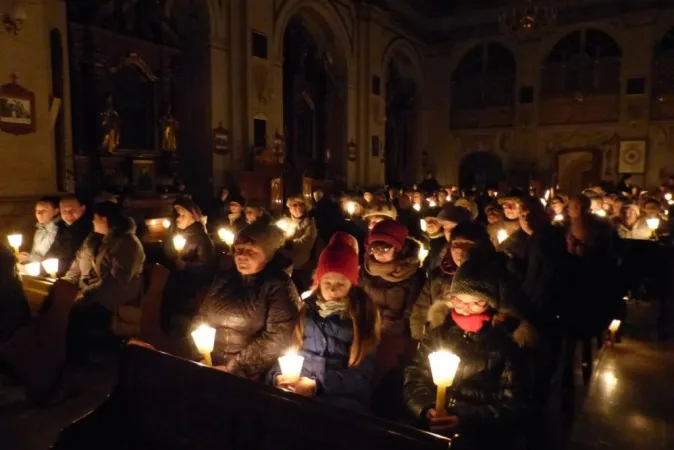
pixel 51 266
pixel 166 223
pixel 204 339
pixel 351 208
pixel 501 236
pixel 226 235
pixel 291 366
pixel 15 241
pixel 179 242
pixel 444 365
pixel 615 325
pixel 423 224
pixel 33 269
pixel 653 223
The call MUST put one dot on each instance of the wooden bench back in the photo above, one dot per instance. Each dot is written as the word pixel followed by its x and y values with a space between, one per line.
pixel 168 403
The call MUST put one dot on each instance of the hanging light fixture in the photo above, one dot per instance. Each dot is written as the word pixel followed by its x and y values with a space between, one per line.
pixel 528 20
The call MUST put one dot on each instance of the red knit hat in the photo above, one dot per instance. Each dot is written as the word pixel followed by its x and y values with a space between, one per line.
pixel 390 232
pixel 338 256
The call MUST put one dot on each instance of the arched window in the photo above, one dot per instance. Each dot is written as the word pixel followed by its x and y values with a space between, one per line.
pixel 484 79
pixel 581 63
pixel 662 104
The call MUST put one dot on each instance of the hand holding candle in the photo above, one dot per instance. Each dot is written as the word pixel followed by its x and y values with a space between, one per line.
pixel 204 339
pixel 351 208
pixel 287 226
pixel 423 253
pixel 501 236
pixel 33 269
pixel 179 243
pixel 444 365
pixel 423 225
pixel 291 367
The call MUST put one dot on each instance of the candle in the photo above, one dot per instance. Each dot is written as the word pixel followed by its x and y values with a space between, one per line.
pixel 179 243
pixel 423 253
pixel 544 202
pixel 601 213
pixel 668 196
pixel 432 203
pixel 51 266
pixel 166 223
pixel 33 269
pixel 204 339
pixel 559 218
pixel 306 294
pixel 226 235
pixel 444 365
pixel 15 241
pixel 351 208
pixel 501 236
pixel 417 207
pixel 653 223
pixel 615 325
pixel 424 225
pixel 291 366
pixel 547 195
pixel 287 226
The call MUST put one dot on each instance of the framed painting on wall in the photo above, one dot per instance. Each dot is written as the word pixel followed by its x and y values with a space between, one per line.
pixel 17 109
pixel 632 157
pixel 144 175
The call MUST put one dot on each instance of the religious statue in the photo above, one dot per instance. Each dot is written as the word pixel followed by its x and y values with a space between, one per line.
pixel 110 124
pixel 169 125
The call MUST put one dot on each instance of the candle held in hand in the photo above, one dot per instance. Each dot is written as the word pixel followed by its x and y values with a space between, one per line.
pixel 15 241
pixel 33 269
pixel 226 235
pixel 166 224
pixel 51 266
pixel 424 225
pixel 179 243
pixel 501 236
pixel 417 207
pixel 204 339
pixel 614 327
pixel 291 366
pixel 653 223
pixel 351 208
pixel 444 365
pixel 559 218
pixel 423 253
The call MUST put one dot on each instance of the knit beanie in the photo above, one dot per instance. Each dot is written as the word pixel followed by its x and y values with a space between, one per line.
pixel 339 256
pixel 380 208
pixel 478 278
pixel 453 213
pixel 268 237
pixel 390 232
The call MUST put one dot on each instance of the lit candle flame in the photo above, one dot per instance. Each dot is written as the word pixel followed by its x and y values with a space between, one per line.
pixel 601 213
pixel 547 195
pixel 653 223
pixel 351 208
pixel 51 266
pixel 615 325
pixel 33 269
pixel 544 202
pixel 166 224
pixel 204 339
pixel 291 366
pixel 668 196
pixel 501 236
pixel 423 253
pixel 179 242
pixel 423 224
pixel 226 235
pixel 15 241
pixel 306 294
pixel 287 226
pixel 444 365
pixel 417 207
pixel 559 218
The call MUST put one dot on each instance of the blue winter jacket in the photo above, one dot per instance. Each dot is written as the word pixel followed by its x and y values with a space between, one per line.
pixel 325 348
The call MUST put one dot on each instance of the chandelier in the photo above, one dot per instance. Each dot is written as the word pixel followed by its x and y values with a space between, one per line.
pixel 527 20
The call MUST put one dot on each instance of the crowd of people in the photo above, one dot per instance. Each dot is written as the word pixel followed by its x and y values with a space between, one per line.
pixel 508 282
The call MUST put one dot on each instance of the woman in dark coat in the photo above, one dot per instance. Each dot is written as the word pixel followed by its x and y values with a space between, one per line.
pixel 337 333
pixel 488 402
pixel 253 307
pixel 192 270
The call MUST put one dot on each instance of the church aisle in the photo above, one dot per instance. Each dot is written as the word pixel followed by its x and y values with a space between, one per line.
pixel 629 404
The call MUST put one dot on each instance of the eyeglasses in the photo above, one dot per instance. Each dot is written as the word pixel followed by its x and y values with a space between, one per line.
pixel 474 307
pixel 380 250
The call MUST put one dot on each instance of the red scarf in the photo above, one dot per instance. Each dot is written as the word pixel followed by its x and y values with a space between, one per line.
pixel 472 323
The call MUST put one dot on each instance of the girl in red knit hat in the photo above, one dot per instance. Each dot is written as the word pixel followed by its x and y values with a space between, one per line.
pixel 337 333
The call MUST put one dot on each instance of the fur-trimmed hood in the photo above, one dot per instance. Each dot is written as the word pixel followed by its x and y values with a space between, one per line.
pixel 524 334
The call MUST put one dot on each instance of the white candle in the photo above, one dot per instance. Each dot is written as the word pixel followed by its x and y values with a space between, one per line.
pixel 291 366
pixel 501 236
pixel 417 207
pixel 351 208
pixel 15 241
pixel 615 325
pixel 653 223
pixel 444 365
pixel 544 202
pixel 559 218
pixel 424 225
pixel 204 339
pixel 306 294
pixel 423 253
pixel 33 269
pixel 51 266
pixel 226 235
pixel 179 242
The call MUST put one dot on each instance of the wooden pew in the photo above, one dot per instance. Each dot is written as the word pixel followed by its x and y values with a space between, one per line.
pixel 164 402
pixel 37 351
pixel 36 290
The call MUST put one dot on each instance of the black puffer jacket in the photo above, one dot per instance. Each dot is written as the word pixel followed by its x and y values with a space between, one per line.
pixel 491 390
pixel 254 317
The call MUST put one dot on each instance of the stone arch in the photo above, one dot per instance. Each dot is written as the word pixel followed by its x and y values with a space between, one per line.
pixel 324 23
pixel 549 43
pixel 400 49
pixel 469 46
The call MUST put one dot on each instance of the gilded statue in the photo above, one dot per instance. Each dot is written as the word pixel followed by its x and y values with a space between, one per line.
pixel 169 125
pixel 110 124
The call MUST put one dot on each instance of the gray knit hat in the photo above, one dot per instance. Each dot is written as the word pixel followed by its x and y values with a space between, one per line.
pixel 267 236
pixel 478 278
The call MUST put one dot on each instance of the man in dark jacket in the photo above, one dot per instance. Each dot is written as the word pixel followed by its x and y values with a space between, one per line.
pixel 489 398
pixel 70 237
